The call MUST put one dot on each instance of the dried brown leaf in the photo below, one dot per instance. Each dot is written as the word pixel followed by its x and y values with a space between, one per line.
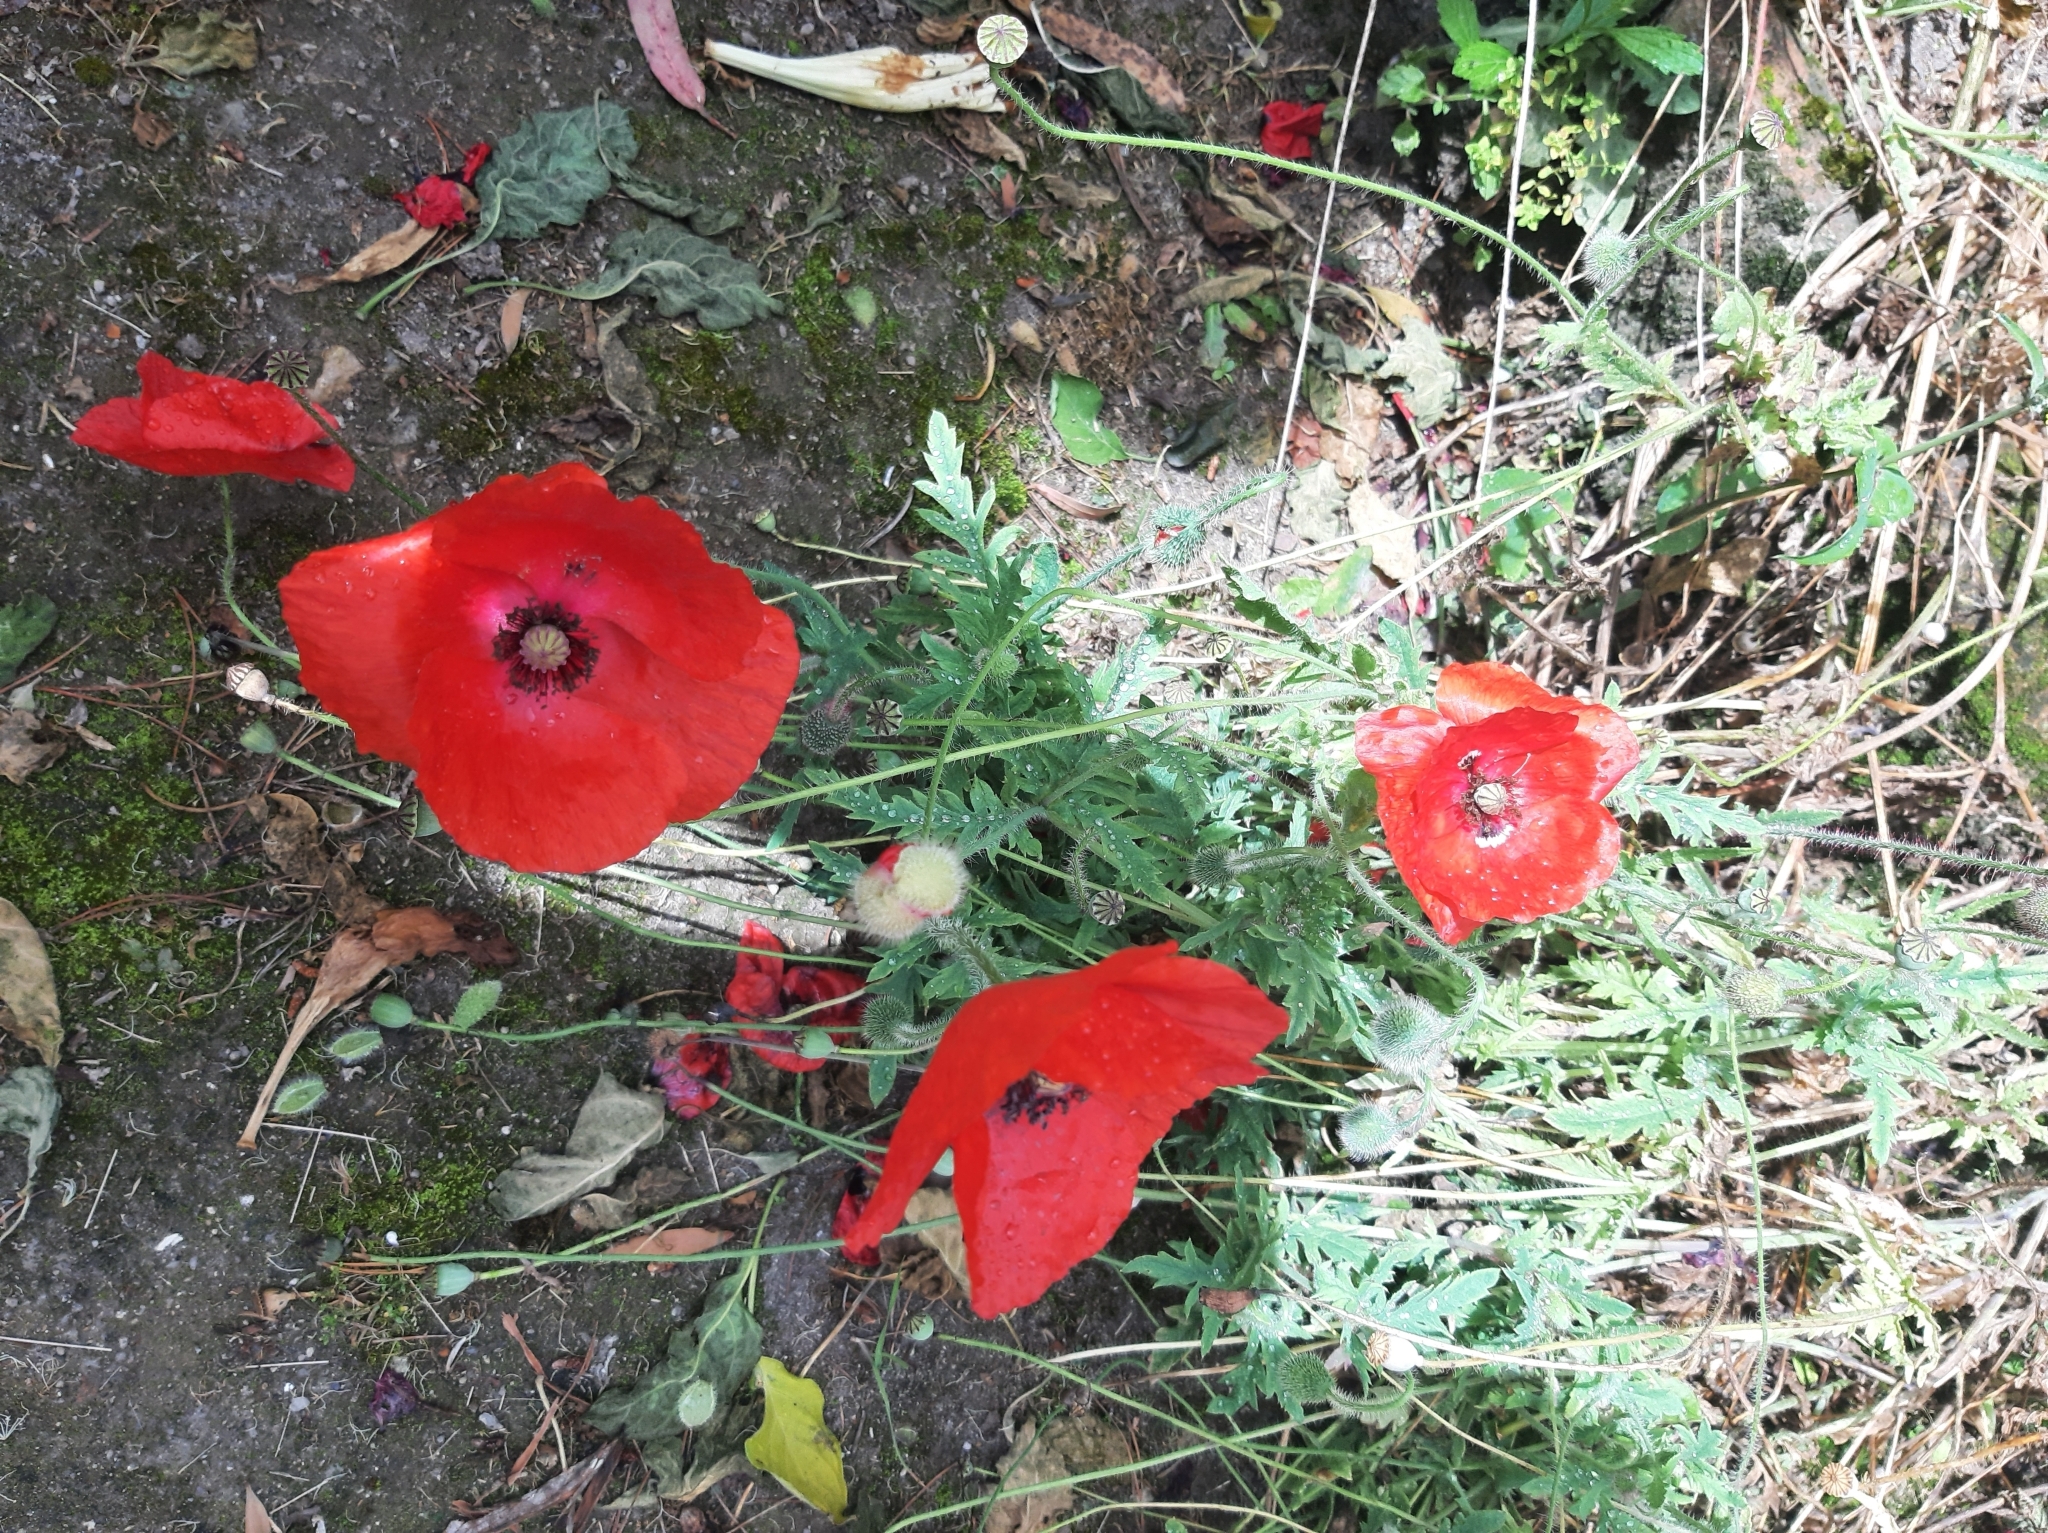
pixel 255 1518
pixel 511 317
pixel 150 130
pixel 1107 47
pixel 936 31
pixel 979 135
pixel 28 990
pixel 386 254
pixel 690 1241
pixel 1079 195
pixel 27 744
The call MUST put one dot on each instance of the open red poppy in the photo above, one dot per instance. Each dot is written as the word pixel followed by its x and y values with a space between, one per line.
pixel 763 986
pixel 1290 129
pixel 198 423
pixel 1491 807
pixel 1050 1092
pixel 568 671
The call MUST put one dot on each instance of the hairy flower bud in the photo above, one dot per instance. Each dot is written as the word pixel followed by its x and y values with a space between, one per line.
pixel 1610 258
pixel 1411 1037
pixel 1753 992
pixel 1373 1128
pixel 826 728
pixel 907 885
pixel 1303 1378
pixel 2030 913
pixel 1210 867
pixel 1002 665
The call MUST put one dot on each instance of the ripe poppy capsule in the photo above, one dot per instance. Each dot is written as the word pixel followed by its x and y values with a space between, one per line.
pixel 1491 798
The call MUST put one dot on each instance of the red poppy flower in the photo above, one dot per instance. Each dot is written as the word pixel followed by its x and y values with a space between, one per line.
pixel 1491 806
pixel 436 203
pixel 1050 1091
pixel 474 162
pixel 197 423
pixel 763 986
pixel 690 1069
pixel 568 671
pixel 1290 129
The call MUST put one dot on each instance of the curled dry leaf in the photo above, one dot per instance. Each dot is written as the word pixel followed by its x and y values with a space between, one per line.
pixel 291 842
pixel 1231 285
pixel 943 31
pixel 150 130
pixel 511 317
pixel 27 744
pixel 272 1302
pixel 255 1517
pixel 946 1239
pixel 1080 195
pixel 692 1241
pixel 1060 500
pixel 613 1125
pixel 1045 1453
pixel 379 256
pixel 359 954
pixel 28 990
pixel 979 135
pixel 1104 45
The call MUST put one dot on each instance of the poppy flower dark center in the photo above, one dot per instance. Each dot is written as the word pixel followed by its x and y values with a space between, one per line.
pixel 1034 1099
pixel 546 647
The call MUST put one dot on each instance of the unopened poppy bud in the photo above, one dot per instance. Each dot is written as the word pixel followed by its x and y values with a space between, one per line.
pixel 1303 1378
pixel 1002 665
pixel 1373 1128
pixel 1753 992
pixel 908 884
pixel 1609 259
pixel 1411 1037
pixel 2030 913
pixel 1210 867
pixel 826 729
pixel 248 682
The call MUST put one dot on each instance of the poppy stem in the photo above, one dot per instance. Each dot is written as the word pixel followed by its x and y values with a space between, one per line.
pixel 332 428
pixel 1872 845
pixel 1476 993
pixel 341 782
pixel 227 575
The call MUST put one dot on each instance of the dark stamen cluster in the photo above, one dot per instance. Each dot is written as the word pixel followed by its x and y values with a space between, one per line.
pixel 566 674
pixel 1034 1098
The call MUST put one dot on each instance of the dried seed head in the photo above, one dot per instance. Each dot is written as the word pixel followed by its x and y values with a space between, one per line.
pixel 1767 128
pixel 1919 949
pixel 826 729
pixel 1106 908
pixel 1837 1480
pixel 1396 1354
pixel 1753 992
pixel 1411 1037
pixel 1610 258
pixel 248 682
pixel 885 718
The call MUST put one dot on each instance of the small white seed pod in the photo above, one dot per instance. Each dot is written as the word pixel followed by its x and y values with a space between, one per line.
pixel 248 682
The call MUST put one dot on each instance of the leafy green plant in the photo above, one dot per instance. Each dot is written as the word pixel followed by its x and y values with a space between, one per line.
pixel 1590 60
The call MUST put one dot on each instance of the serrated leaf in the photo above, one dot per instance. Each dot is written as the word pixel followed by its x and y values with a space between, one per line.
pixel 678 204
pixel 476 1003
pixel 549 169
pixel 697 1381
pixel 683 274
pixel 1484 64
pixel 357 1043
pixel 1609 1120
pixel 302 1093
pixel 1662 49
pixel 794 1444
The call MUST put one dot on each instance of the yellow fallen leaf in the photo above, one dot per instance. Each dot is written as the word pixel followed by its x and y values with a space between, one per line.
pixel 794 1444
pixel 382 255
pixel 1398 307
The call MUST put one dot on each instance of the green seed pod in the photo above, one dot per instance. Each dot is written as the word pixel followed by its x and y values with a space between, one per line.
pixel 1411 1037
pixel 1753 992
pixel 2030 913
pixel 826 729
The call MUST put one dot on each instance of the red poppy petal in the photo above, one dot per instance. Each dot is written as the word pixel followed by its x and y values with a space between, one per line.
pixel 1466 694
pixel 341 605
pixel 807 985
pixel 1405 844
pixel 773 1047
pixel 190 423
pixel 563 788
pixel 1396 739
pixel 564 534
pixel 1618 748
pixel 114 428
pixel 1035 1199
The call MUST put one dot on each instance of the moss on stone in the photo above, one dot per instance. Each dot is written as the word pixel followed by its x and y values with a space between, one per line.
pixel 93 72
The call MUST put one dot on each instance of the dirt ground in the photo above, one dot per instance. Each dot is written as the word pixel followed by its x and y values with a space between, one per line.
pixel 141 1386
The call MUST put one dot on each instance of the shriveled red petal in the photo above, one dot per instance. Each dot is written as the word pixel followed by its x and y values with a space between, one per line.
pixel 436 203
pixel 189 423
pixel 1290 129
pixel 777 1046
pixel 1469 693
pixel 1396 739
pixel 473 162
pixel 691 1074
pixel 807 984
pixel 845 1217
pixel 755 989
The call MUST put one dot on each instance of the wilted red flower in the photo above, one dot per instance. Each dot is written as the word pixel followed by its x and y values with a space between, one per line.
pixel 1290 129
pixel 851 1204
pixel 568 671
pixel 393 1395
pixel 473 162
pixel 436 203
pixel 1491 806
pixel 690 1069
pixel 199 423
pixel 763 986
pixel 1050 1091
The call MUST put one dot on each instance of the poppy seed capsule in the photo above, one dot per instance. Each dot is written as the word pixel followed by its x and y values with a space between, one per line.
pixel 906 886
pixel 1753 992
pixel 1396 1354
pixel 248 682
pixel 2030 913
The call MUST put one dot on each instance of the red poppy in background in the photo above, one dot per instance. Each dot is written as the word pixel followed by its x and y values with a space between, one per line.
pixel 1050 1091
pixel 199 423
pixel 1491 805
pixel 690 1069
pixel 569 672
pixel 437 202
pixel 1290 129
pixel 763 986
